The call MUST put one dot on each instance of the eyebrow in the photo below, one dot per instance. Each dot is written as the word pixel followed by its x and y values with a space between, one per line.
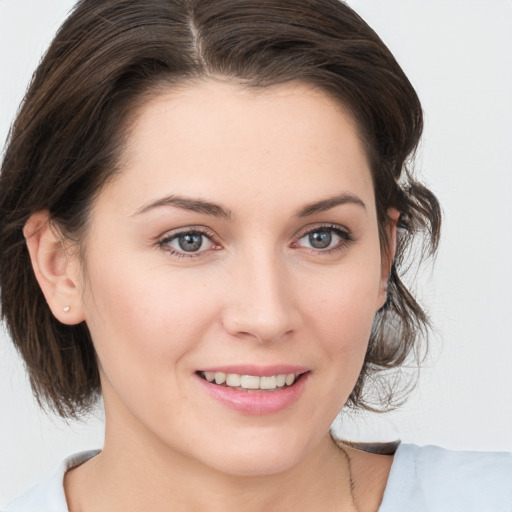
pixel 186 203
pixel 215 210
pixel 330 202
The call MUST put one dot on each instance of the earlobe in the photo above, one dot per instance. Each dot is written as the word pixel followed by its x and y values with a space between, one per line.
pixel 388 258
pixel 53 268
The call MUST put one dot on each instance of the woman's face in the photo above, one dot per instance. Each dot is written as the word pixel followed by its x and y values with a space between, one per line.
pixel 239 239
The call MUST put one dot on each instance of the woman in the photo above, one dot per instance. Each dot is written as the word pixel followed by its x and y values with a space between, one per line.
pixel 205 211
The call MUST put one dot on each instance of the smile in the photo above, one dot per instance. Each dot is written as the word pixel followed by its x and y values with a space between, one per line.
pixel 253 382
pixel 247 393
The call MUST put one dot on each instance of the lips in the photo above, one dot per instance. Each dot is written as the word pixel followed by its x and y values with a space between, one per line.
pixel 255 390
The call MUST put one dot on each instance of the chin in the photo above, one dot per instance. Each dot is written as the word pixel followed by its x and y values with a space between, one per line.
pixel 260 456
pixel 257 466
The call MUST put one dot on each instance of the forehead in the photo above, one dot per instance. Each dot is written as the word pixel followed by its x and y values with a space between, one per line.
pixel 283 143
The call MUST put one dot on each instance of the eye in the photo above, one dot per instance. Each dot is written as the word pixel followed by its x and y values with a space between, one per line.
pixel 325 238
pixel 187 243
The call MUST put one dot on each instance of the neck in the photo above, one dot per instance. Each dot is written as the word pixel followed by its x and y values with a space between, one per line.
pixel 134 475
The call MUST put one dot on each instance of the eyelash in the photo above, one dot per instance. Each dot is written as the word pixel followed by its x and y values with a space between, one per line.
pixel 163 243
pixel 345 236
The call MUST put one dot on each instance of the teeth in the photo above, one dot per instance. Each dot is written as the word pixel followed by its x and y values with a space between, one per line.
pixel 268 382
pixel 290 379
pixel 220 378
pixel 250 381
pixel 233 380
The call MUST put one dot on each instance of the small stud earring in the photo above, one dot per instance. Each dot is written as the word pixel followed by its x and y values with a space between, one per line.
pixel 67 309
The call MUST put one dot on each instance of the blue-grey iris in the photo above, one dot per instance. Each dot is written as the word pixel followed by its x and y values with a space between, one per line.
pixel 320 239
pixel 190 242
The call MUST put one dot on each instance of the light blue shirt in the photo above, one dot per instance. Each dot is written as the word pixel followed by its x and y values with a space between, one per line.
pixel 422 479
pixel 432 479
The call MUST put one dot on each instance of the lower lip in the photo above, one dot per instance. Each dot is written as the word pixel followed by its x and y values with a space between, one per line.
pixel 256 402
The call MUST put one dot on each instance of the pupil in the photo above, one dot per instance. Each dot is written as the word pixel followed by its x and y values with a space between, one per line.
pixel 190 242
pixel 320 239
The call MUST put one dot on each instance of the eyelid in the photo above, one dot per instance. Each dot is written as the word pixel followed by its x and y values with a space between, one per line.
pixel 343 232
pixel 328 227
pixel 175 233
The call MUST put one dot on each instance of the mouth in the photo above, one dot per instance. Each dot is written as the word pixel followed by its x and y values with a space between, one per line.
pixel 252 383
pixel 255 390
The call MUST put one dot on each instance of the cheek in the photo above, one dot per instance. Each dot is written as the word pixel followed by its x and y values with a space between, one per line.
pixel 343 330
pixel 143 328
pixel 346 303
pixel 143 319
pixel 341 314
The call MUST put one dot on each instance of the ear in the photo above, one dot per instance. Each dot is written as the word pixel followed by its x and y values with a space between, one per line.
pixel 55 268
pixel 388 258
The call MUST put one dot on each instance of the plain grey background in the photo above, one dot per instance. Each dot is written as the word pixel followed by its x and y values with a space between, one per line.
pixel 457 54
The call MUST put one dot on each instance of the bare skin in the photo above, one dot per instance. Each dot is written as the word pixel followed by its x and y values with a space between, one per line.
pixel 329 493
pixel 285 271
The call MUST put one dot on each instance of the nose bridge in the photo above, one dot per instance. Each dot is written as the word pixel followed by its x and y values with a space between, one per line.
pixel 261 299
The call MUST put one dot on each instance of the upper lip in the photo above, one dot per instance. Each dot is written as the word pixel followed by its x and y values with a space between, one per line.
pixel 258 371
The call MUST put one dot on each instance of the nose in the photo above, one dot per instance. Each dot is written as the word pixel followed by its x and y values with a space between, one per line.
pixel 261 303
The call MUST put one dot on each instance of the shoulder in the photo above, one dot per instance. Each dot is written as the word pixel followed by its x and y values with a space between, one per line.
pixel 49 495
pixel 433 479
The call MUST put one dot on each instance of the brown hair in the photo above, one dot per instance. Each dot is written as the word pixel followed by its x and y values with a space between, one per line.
pixel 68 136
